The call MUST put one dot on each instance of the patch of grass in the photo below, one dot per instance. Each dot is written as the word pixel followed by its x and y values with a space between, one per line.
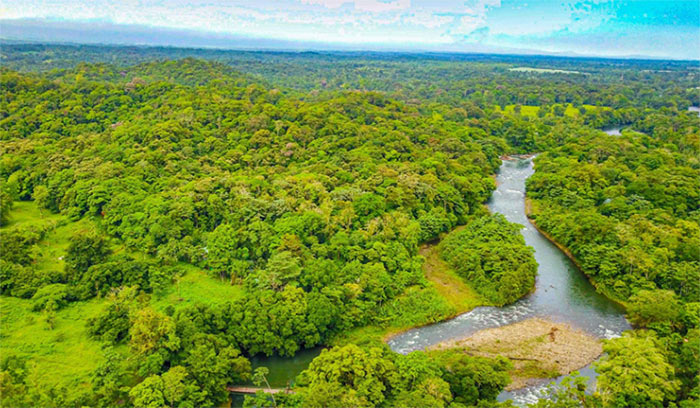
pixel 196 287
pixel 525 110
pixel 416 306
pixel 532 111
pixel 460 296
pixel 52 249
pixel 64 356
pixel 535 369
pixel 571 111
pixel 365 336
pixel 27 212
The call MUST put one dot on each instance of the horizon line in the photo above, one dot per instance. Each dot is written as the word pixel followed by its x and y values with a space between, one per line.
pixel 349 50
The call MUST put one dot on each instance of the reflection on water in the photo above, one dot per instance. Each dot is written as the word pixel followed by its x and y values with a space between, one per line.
pixel 283 370
pixel 562 294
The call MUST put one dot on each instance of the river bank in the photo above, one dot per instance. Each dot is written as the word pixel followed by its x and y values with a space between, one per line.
pixel 563 294
pixel 566 251
pixel 461 297
pixel 539 349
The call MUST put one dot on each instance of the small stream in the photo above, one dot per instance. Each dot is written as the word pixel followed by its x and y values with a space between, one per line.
pixel 562 294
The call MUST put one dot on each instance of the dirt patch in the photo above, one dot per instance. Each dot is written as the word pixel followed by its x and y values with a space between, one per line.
pixel 538 348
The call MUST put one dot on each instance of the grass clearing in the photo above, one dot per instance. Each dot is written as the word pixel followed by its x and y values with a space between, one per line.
pixel 27 212
pixel 532 111
pixel 52 249
pixel 525 110
pixel 196 287
pixel 64 356
pixel 449 285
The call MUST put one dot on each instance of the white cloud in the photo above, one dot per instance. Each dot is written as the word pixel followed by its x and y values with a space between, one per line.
pixel 372 6
pixel 420 21
pixel 428 20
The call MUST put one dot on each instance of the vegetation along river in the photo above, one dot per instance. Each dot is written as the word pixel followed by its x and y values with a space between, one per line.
pixel 562 294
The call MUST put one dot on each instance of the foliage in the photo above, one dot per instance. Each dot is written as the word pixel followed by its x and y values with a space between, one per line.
pixel 658 306
pixel 491 254
pixel 473 379
pixel 85 250
pixel 189 212
pixel 635 372
pixel 571 393
pixel 354 376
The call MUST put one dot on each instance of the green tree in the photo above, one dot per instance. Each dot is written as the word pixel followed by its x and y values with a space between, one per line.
pixel 6 202
pixel 85 249
pixel 474 379
pixel 225 256
pixel 148 393
pixel 571 393
pixel 41 197
pixel 282 268
pixel 347 376
pixel 654 306
pixel 151 330
pixel 174 386
pixel 635 373
pixel 260 378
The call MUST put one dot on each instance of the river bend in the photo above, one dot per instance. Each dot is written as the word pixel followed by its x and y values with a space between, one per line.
pixel 562 294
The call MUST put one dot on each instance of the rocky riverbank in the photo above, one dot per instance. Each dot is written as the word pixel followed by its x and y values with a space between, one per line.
pixel 539 349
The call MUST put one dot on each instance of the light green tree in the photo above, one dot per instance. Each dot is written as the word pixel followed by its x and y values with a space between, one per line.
pixel 148 393
pixel 635 373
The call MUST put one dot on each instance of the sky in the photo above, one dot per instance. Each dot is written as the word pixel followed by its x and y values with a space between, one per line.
pixel 663 29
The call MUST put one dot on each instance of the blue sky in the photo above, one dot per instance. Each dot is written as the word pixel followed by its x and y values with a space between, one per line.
pixel 595 27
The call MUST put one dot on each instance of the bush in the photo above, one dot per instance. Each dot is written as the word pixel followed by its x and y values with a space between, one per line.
pixel 57 294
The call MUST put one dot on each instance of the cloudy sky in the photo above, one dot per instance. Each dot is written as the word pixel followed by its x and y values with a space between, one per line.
pixel 663 28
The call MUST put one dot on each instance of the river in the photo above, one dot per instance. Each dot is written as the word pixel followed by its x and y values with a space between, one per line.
pixel 613 131
pixel 283 370
pixel 562 294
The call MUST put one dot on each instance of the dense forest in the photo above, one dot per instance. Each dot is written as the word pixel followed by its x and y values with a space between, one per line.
pixel 168 214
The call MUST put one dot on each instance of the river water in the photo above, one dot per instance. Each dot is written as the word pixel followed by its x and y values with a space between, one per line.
pixel 613 131
pixel 562 294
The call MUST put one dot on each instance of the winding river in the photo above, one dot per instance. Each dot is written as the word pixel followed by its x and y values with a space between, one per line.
pixel 562 294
